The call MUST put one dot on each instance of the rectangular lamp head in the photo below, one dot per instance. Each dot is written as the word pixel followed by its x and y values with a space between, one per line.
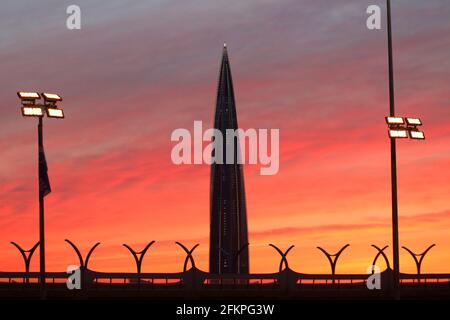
pixel 413 121
pixel 394 120
pixel 28 96
pixel 398 133
pixel 415 134
pixel 32 112
pixel 55 113
pixel 51 97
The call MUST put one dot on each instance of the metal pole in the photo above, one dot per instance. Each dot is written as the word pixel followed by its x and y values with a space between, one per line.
pixel 41 215
pixel 395 241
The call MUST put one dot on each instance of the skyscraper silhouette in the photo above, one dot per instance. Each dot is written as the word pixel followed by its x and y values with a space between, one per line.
pixel 228 252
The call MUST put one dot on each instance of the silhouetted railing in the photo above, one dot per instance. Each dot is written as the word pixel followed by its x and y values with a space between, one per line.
pixel 285 280
pixel 195 279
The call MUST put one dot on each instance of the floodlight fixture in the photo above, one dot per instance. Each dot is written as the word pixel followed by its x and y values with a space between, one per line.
pixel 28 96
pixel 32 112
pixel 413 121
pixel 51 97
pixel 416 134
pixel 395 120
pixel 55 113
pixel 398 133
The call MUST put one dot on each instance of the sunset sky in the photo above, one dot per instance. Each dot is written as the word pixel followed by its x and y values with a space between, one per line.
pixel 137 70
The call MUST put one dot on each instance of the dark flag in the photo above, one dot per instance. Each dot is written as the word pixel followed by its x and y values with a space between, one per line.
pixel 44 182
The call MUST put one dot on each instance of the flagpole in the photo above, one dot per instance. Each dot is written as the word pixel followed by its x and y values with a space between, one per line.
pixel 41 213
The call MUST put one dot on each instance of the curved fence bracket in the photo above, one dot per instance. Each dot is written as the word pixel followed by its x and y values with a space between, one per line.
pixel 283 256
pixel 236 258
pixel 83 263
pixel 421 256
pixel 26 254
pixel 333 258
pixel 90 253
pixel 245 246
pixel 139 256
pixel 383 254
pixel 189 256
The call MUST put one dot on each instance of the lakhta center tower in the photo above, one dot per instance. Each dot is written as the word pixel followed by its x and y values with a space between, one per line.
pixel 228 251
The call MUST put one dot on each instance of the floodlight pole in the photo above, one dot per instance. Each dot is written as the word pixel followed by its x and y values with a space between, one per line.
pixel 395 241
pixel 41 214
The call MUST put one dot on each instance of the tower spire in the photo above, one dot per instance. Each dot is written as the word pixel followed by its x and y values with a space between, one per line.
pixel 228 251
